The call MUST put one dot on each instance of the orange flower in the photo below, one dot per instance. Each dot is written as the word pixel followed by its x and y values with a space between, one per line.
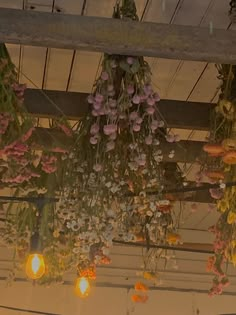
pixel 139 298
pixel 139 286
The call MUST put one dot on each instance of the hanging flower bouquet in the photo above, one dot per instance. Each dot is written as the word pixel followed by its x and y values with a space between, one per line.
pixel 221 150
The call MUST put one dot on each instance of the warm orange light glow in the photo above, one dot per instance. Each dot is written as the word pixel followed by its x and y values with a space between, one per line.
pixel 82 287
pixel 35 266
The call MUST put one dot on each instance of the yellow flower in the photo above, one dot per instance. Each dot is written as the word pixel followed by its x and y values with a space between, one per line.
pixel 233 259
pixel 56 234
pixel 231 218
pixel 173 238
pixel 233 244
pixel 222 205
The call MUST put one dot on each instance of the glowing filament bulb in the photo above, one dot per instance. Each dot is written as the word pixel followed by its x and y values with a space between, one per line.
pixel 35 266
pixel 82 287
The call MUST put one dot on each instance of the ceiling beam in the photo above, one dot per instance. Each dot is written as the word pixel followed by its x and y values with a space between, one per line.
pixel 74 106
pixel 117 37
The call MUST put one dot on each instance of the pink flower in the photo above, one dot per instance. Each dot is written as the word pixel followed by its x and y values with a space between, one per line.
pixel 156 97
pixel 99 97
pixel 94 129
pixel 148 140
pixel 136 128
pixel 65 129
pixel 130 60
pixel 97 105
pixel 154 125
pixel 147 89
pixel 104 76
pixel 109 129
pixel 139 120
pixel 150 110
pixel 59 150
pixel 150 101
pixel 113 136
pixel 95 113
pixel 97 167
pixel 27 135
pixel 216 193
pixel 170 138
pixel 130 89
pixel 136 99
pixel 93 140
pixel 133 115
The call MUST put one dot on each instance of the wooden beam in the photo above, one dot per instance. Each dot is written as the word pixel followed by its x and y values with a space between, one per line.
pixel 74 105
pixel 117 37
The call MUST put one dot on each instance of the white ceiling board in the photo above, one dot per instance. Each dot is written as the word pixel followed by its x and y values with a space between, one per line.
pixel 183 80
pixel 32 66
pixel 69 6
pixel 57 69
pixel 13 4
pixel 180 83
pixel 100 8
pixel 160 11
pixel 209 79
pixel 33 58
pixel 84 71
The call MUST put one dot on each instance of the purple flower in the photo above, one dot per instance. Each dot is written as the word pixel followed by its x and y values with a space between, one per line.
pixel 148 140
pixel 156 97
pixel 93 140
pixel 170 138
pixel 104 76
pixel 110 87
pixel 130 89
pixel 99 98
pixel 150 101
pixel 95 113
pixel 130 60
pixel 97 105
pixel 147 89
pixel 90 99
pixel 109 129
pixel 139 120
pixel 136 99
pixel 150 110
pixel 133 115
pixel 136 127
pixel 154 125
pixel 94 129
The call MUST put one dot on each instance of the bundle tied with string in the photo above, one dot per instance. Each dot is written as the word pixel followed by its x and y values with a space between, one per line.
pixel 118 151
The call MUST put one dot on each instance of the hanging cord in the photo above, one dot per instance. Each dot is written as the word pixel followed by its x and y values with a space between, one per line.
pixel 232 11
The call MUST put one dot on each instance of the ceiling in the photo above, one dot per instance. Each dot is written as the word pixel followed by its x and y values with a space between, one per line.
pixel 68 70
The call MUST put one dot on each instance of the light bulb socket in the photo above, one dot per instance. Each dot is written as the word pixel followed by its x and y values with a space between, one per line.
pixel 35 244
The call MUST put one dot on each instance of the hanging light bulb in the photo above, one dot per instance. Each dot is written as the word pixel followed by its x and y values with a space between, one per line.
pixel 82 287
pixel 35 266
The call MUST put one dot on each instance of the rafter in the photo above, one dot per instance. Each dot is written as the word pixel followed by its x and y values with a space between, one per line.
pixel 177 114
pixel 116 36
